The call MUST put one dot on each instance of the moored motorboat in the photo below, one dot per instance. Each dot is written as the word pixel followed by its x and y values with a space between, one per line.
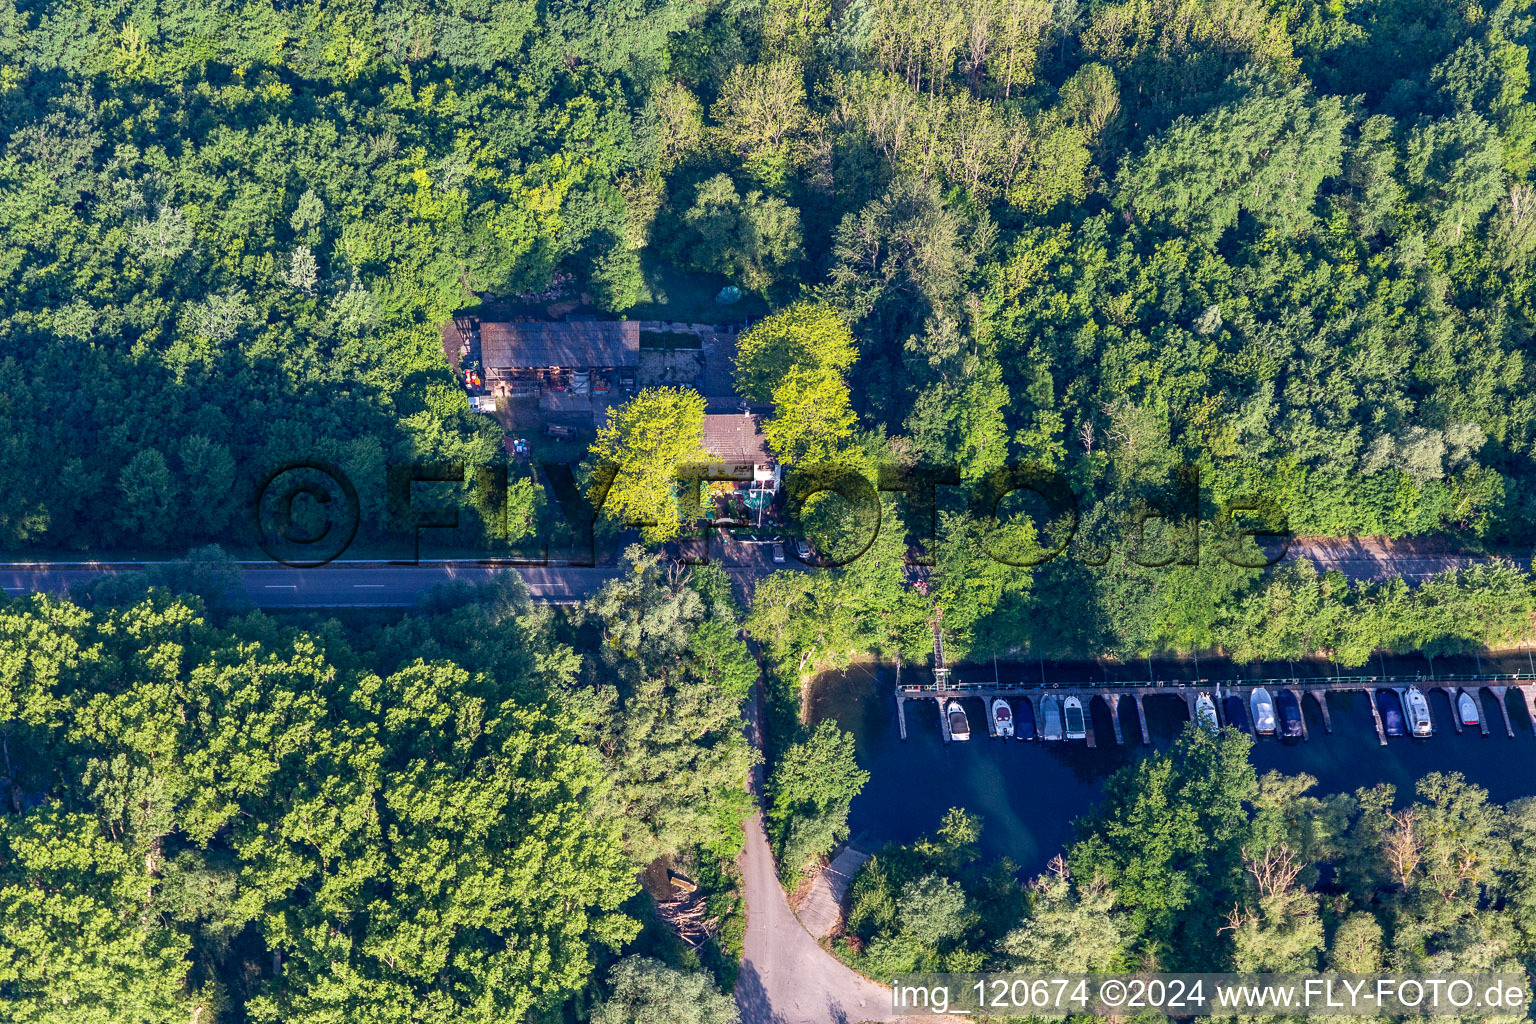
pixel 1024 727
pixel 1077 725
pixel 1205 712
pixel 1290 715
pixel 1050 713
pixel 1237 713
pixel 1002 718
pixel 1466 707
pixel 1263 712
pixel 959 725
pixel 1391 707
pixel 1419 721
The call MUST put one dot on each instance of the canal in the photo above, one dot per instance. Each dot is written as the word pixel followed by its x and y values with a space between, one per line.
pixel 1029 793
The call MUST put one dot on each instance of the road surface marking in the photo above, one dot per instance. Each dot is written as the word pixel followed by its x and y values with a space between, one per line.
pixel 282 586
pixel 378 585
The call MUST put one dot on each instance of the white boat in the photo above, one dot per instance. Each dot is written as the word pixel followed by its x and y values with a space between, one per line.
pixel 1050 712
pixel 1466 707
pixel 1077 726
pixel 1419 722
pixel 1205 712
pixel 1002 718
pixel 959 725
pixel 1263 712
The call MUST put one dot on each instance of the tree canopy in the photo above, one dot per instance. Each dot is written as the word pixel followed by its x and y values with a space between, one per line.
pixel 643 444
pixel 440 817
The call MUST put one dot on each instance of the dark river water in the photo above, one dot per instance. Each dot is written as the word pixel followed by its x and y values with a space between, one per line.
pixel 1028 793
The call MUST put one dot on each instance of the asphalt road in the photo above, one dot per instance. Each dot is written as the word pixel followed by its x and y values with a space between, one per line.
pixel 786 978
pixel 366 585
pixel 336 585
pixel 382 585
pixel 1374 558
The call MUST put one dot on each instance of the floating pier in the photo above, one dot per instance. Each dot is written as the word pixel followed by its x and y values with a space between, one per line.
pixel 944 688
pixel 1499 692
pixel 1381 730
pixel 1451 693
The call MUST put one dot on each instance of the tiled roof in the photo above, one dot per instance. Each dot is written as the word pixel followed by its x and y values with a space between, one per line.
pixel 734 439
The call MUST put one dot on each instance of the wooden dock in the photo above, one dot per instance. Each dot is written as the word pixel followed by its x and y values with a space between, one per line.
pixel 944 688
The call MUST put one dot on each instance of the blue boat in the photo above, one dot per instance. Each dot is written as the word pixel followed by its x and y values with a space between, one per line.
pixel 1391 707
pixel 1237 713
pixel 1024 725
pixel 1290 715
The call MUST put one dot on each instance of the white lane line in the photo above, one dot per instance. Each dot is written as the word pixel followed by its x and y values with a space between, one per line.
pixel 378 586
pixel 282 586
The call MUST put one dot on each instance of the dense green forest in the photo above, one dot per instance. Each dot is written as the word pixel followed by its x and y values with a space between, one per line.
pixel 1287 242
pixel 441 817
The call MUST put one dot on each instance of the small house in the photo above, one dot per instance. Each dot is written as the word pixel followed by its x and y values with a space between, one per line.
pixel 736 440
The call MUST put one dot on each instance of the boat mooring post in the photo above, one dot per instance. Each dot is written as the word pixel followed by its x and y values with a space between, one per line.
pixel 1088 736
pixel 1529 693
pixel 1482 710
pixel 901 716
pixel 944 721
pixel 1141 716
pixel 1114 717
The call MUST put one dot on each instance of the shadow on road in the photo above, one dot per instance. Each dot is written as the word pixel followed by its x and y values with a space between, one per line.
pixel 752 998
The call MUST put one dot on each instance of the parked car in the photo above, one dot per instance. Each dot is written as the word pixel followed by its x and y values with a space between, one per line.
pixel 803 550
pixel 778 553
